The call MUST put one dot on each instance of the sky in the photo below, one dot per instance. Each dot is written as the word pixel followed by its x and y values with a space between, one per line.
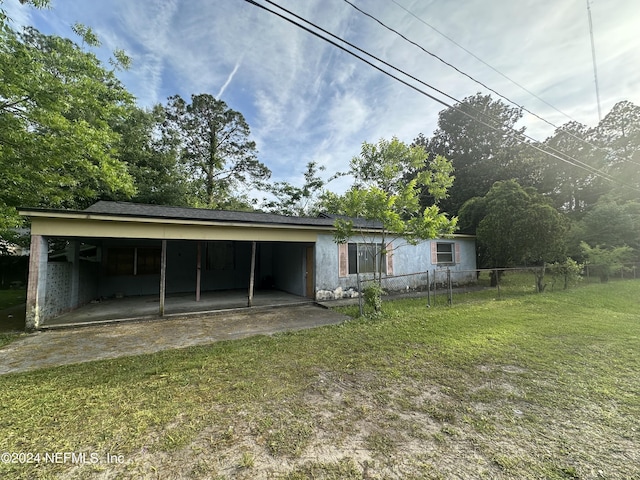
pixel 306 100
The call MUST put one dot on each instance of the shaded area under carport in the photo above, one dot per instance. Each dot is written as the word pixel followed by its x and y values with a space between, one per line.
pixel 145 307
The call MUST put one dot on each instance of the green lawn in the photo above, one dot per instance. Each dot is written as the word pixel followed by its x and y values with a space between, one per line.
pixel 532 386
pixel 10 298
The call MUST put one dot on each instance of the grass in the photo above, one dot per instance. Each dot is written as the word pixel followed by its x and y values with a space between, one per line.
pixel 532 386
pixel 11 298
pixel 15 322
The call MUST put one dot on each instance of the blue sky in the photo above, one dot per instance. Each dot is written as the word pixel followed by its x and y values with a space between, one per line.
pixel 306 100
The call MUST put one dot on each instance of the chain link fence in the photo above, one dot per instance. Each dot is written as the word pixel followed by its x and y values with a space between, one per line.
pixel 449 286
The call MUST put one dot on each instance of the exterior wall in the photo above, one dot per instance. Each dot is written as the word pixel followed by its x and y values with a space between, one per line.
pixel 406 260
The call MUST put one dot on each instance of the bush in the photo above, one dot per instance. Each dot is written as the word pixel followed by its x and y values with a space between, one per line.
pixel 567 272
pixel 372 294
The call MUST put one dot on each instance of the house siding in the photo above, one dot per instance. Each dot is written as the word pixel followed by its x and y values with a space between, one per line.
pixel 331 281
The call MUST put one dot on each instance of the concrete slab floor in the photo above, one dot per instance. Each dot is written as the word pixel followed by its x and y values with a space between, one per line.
pixel 45 349
pixel 147 306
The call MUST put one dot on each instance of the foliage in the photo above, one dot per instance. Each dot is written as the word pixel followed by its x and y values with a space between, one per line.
pixel 292 200
pixel 568 272
pixel 382 197
pixel 618 136
pixel 480 154
pixel 152 158
pixel 606 259
pixel 57 105
pixel 372 294
pixel 214 149
pixel 520 227
pixel 612 223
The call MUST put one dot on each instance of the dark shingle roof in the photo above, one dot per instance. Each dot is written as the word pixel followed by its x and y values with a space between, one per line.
pixel 185 213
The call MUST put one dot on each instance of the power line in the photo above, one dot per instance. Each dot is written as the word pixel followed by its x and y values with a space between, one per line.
pixel 563 157
pixel 483 62
pixel 514 133
pixel 440 59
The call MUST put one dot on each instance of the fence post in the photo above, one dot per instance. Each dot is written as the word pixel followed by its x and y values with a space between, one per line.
pixel 449 287
pixel 428 290
pixel 435 286
pixel 586 270
pixel 498 282
pixel 359 293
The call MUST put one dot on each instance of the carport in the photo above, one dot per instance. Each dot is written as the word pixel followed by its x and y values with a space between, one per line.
pixel 165 260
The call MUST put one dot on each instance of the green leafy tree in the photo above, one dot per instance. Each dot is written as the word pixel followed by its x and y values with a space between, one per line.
pixel 215 150
pixel 521 228
pixel 573 188
pixel 606 260
pixel 382 197
pixel 618 136
pixel 289 199
pixel 152 158
pixel 57 105
pixel 612 223
pixel 480 155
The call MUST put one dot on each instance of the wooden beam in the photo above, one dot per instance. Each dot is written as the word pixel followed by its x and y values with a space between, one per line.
pixel 198 270
pixel 252 274
pixel 163 275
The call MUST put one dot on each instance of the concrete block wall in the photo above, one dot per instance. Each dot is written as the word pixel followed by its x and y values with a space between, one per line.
pixel 58 293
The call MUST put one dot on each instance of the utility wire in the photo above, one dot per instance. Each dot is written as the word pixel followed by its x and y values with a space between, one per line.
pixel 514 133
pixel 565 157
pixel 559 155
pixel 470 77
pixel 482 61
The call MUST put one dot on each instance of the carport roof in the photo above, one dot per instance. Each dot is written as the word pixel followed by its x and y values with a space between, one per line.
pixel 127 209
pixel 138 212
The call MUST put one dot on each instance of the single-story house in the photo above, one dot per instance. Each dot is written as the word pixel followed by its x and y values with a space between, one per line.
pixel 119 250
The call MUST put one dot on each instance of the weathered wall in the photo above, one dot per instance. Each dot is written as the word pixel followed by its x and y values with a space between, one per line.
pixel 406 259
pixel 58 293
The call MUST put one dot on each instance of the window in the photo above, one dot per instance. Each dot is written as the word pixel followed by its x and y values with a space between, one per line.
pixel 445 253
pixel 368 255
pixel 133 261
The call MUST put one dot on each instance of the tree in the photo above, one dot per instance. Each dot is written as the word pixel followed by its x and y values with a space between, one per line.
pixel 57 104
pixel 382 197
pixel 215 149
pixel 618 136
pixel 480 155
pixel 152 158
pixel 292 200
pixel 606 259
pixel 520 228
pixel 574 189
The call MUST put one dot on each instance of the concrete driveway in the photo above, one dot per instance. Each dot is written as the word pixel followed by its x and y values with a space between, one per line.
pixel 51 348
